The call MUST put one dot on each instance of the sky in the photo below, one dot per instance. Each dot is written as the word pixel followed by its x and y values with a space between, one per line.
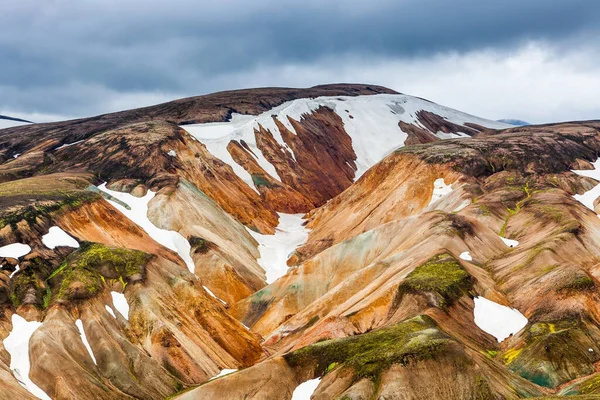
pixel 535 60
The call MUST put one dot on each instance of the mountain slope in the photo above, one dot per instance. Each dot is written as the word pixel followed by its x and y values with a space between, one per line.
pixel 144 252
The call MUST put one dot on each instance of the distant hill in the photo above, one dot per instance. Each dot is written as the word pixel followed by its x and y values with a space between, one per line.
pixel 9 122
pixel 516 122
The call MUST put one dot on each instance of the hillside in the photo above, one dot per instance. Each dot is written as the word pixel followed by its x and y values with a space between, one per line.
pixel 341 241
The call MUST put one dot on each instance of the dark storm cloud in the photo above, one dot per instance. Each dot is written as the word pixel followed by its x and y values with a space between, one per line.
pixel 63 56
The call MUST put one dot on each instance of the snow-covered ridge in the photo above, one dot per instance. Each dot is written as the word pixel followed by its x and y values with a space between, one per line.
pixel 371 121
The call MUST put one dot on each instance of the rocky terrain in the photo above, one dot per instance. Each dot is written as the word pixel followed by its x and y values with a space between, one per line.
pixel 335 242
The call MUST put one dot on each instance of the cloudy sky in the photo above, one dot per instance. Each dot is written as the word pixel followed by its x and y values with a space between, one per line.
pixel 537 60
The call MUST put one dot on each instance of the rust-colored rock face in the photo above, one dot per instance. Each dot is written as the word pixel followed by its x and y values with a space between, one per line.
pixel 137 251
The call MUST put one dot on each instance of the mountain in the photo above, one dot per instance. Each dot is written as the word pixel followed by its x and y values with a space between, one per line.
pixel 340 241
pixel 8 122
pixel 515 122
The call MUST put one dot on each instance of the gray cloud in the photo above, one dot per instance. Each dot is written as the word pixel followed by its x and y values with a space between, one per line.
pixel 81 57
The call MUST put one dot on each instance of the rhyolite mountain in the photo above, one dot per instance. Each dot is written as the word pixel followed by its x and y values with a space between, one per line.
pixel 339 242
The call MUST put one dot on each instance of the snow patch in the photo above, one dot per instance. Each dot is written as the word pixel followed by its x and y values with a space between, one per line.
pixel 15 250
pixel 120 303
pixel 68 145
pixel 139 215
pixel 466 255
pixel 509 242
pixel 497 320
pixel 223 373
pixel 276 249
pixel 587 199
pixel 172 153
pixel 440 189
pixel 79 325
pixel 306 389
pixel 17 344
pixel 213 295
pixel 110 311
pixel 57 237
pixel 17 155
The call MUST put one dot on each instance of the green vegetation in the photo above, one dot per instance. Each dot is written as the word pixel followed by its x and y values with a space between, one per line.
pixel 588 386
pixel 26 284
pixel 84 273
pixel 554 353
pixel 578 284
pixel 369 354
pixel 31 213
pixel 442 275
pixel 491 353
pixel 484 209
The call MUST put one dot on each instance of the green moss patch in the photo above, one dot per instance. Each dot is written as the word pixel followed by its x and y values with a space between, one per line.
pixel 31 198
pixel 578 284
pixel 369 354
pixel 27 288
pixel 84 273
pixel 442 275
pixel 32 212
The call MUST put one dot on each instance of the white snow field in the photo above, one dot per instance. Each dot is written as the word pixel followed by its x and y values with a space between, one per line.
pixel 497 320
pixel 223 373
pixel 370 121
pixel 509 242
pixel 139 215
pixel 57 237
pixel 276 249
pixel 466 255
pixel 587 199
pixel 120 303
pixel 79 325
pixel 306 389
pixel 17 345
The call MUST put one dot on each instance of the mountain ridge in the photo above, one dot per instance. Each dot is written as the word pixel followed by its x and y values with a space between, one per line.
pixel 143 257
